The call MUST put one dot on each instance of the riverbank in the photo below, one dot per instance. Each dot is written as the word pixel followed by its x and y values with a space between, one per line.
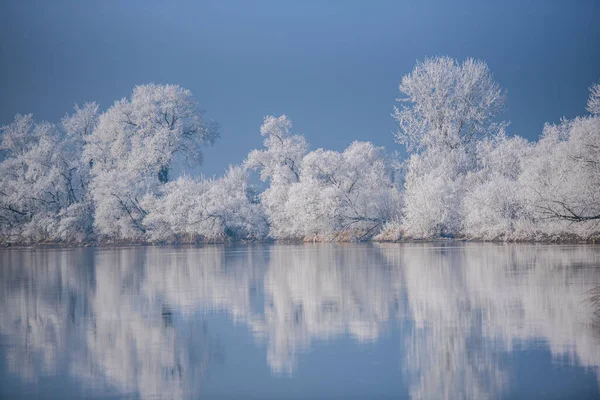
pixel 111 244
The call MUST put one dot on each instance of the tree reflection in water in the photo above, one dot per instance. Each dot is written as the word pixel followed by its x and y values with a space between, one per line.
pixel 131 319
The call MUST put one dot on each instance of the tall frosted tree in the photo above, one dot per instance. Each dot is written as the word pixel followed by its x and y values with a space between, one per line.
pixel 447 104
pixel 279 164
pixel 446 107
pixel 133 148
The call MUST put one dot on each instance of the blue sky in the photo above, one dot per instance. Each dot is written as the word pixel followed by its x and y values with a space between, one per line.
pixel 332 66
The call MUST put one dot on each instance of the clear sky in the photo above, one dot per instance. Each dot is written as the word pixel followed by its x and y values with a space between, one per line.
pixel 332 66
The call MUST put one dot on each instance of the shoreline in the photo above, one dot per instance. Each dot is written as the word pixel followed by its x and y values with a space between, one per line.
pixel 107 244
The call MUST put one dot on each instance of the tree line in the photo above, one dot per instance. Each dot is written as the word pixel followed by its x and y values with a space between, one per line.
pixel 107 176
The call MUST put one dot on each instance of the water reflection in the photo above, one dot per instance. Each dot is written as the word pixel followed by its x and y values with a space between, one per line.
pixel 472 301
pixel 133 321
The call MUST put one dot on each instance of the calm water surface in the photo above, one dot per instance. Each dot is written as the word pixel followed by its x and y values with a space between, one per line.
pixel 300 321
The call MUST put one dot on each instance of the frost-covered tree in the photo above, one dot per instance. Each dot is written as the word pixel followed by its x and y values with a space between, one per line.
pixel 447 106
pixel 494 205
pixel 279 164
pixel 593 105
pixel 76 221
pixel 43 183
pixel 109 177
pixel 342 196
pixel 134 146
pixel 562 175
pixel 189 210
pixel 27 179
pixel 546 190
pixel 323 195
pixel 431 198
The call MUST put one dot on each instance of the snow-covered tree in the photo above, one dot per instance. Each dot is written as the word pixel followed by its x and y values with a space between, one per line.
pixel 447 104
pixel 76 221
pixel 133 148
pixel 43 184
pixel 279 164
pixel 593 104
pixel 494 205
pixel 546 190
pixel 108 176
pixel 447 107
pixel 431 198
pixel 29 174
pixel 562 175
pixel 323 195
pixel 190 210
pixel 347 195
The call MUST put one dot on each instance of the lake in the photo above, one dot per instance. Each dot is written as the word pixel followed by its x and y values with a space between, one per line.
pixel 296 321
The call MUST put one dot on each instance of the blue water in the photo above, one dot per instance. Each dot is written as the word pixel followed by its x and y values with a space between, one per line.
pixel 440 320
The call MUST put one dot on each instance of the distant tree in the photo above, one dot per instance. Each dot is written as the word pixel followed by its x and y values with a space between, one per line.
pixel 132 149
pixel 77 129
pixel 43 183
pixel 189 210
pixel 431 199
pixel 593 104
pixel 76 221
pixel 494 205
pixel 446 108
pixel 447 104
pixel 347 195
pixel 28 178
pixel 279 164
pixel 108 176
pixel 562 174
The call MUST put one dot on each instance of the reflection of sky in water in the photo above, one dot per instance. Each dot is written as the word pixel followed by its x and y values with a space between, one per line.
pixel 420 320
